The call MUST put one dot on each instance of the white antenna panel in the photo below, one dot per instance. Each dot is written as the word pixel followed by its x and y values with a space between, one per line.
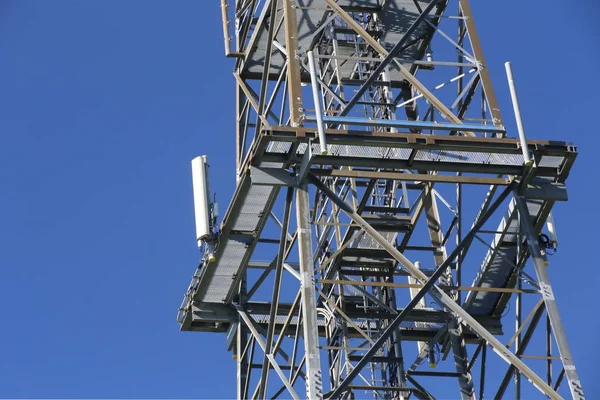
pixel 201 198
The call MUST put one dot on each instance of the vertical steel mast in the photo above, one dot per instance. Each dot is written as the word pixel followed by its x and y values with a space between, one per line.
pixel 385 224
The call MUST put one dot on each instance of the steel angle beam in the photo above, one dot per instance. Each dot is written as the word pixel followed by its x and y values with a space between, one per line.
pixel 401 176
pixel 281 253
pixel 293 70
pixel 395 123
pixel 548 147
pixel 314 388
pixel 304 166
pixel 550 301
pixel 455 331
pixel 270 357
pixel 445 166
pixel 486 81
pixel 524 342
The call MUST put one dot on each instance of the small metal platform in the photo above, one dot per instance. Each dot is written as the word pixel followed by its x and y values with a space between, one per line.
pixel 499 268
pixel 499 265
pixel 420 323
pixel 215 283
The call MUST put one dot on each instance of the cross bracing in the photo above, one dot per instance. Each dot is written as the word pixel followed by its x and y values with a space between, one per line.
pixel 384 220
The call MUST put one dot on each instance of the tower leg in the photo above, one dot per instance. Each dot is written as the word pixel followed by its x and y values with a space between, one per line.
pixel 549 300
pixel 314 384
pixel 240 353
pixel 457 341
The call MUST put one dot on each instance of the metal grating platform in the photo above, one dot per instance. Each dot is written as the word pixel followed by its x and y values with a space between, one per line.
pixel 499 263
pixel 420 152
pixel 215 282
pixel 423 322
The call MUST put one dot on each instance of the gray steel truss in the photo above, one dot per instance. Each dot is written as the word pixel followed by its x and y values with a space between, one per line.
pixel 377 248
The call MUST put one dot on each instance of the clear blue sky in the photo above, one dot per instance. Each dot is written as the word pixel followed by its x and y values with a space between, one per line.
pixel 103 103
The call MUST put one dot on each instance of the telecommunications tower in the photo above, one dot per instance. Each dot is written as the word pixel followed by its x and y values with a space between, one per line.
pixel 388 238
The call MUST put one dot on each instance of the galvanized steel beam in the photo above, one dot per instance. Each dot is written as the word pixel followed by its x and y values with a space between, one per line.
pixel 314 385
pixel 540 265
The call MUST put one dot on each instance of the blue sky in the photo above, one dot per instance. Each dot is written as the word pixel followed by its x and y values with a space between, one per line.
pixel 102 106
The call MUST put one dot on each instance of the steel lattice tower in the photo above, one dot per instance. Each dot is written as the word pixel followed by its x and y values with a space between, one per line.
pixel 384 221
